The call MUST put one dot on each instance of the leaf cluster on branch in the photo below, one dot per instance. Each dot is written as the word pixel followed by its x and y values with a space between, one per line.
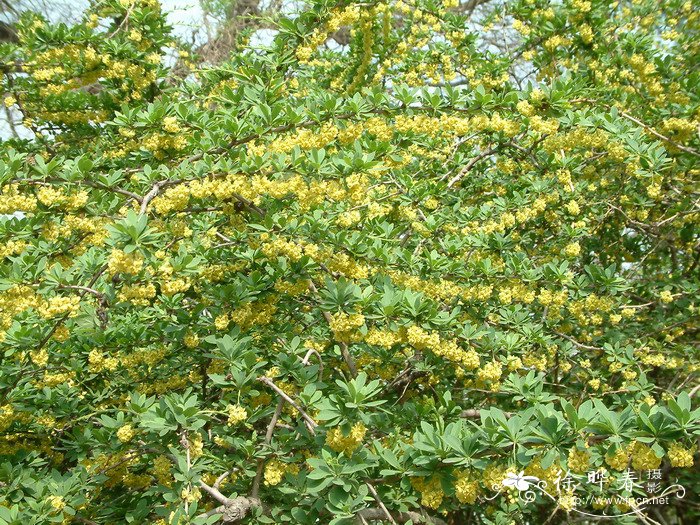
pixel 405 262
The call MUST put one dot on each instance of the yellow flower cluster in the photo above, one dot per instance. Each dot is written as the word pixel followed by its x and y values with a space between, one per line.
pixel 114 466
pixel 553 42
pixel 431 491
pixel 365 28
pixel 666 297
pixel 39 357
pixel 73 67
pixel 159 143
pixel 516 292
pixel 567 500
pixel 11 247
pixel 171 287
pixel 643 457
pixel 443 290
pixel 93 229
pixel 350 268
pixel 7 416
pixel 275 471
pixel 161 470
pixel 292 289
pixel 578 460
pixel 137 294
pixel 339 442
pixel 175 198
pixel 236 414
pixel 190 494
pixel 494 474
pixel 283 247
pixel 572 249
pixel 586 33
pixel 578 137
pixel 589 311
pixel 121 262
pixel 338 18
pixel 171 125
pixel 12 199
pixel 196 444
pixel 421 339
pixel 680 456
pixel 572 207
pixel 57 503
pixel 384 338
pixel 544 126
pixel 348 218
pixel 251 314
pixel 680 129
pixel 491 372
pixel 253 189
pixel 466 488
pixel 191 340
pixel 98 362
pixel 537 360
pixel 344 326
pixel 49 196
pixel 51 380
pixel 222 321
pixel 126 433
pixel 478 292
pixel 525 108
pixel 58 306
pixel 549 474
pixel 304 138
pixel 384 129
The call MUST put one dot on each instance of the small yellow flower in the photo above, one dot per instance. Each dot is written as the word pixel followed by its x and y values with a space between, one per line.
pixel 135 35
pixel 466 489
pixel 236 414
pixel 680 456
pixel 619 460
pixel 578 460
pixel 170 124
pixel 572 249
pixel 274 471
pixel 573 208
pixel 57 503
pixel 339 442
pixel 126 433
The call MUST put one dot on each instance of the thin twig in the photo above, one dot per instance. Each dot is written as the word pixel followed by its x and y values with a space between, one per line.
pixel 575 342
pixel 470 165
pixel 320 361
pixel 380 503
pixel 220 479
pixel 268 439
pixel 310 423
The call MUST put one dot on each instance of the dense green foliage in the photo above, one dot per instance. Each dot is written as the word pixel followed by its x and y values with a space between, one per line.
pixel 378 282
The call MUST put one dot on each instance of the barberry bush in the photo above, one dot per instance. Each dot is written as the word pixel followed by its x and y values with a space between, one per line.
pixel 443 272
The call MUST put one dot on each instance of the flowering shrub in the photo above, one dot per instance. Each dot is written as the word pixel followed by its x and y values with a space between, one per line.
pixel 399 281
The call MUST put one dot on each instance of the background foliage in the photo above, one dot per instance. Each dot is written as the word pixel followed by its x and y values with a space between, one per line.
pixel 364 273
